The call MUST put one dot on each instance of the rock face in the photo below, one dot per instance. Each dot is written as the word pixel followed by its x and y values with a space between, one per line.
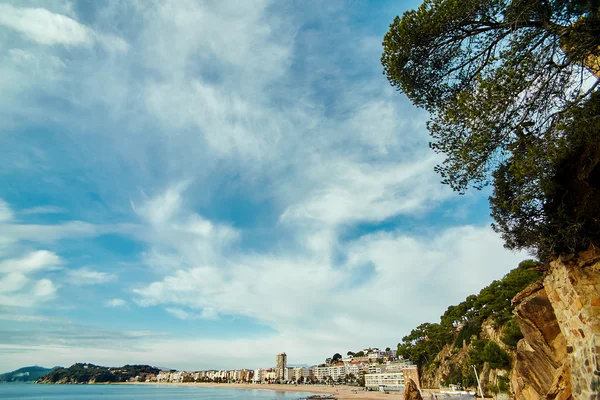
pixel 559 357
pixel 541 355
pixel 411 392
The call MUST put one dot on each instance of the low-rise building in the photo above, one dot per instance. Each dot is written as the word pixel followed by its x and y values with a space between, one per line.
pixel 387 381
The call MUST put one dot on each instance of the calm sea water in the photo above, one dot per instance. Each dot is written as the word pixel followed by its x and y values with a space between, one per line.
pixel 28 391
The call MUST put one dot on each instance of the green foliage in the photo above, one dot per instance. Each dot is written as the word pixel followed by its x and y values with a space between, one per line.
pixel 455 376
pixel 512 334
pixel 547 196
pixel 470 330
pixel 487 351
pixel 494 301
pixel 512 103
pixel 423 343
pixel 336 357
pixel 469 379
pixel 462 322
pixel 502 385
pixel 84 373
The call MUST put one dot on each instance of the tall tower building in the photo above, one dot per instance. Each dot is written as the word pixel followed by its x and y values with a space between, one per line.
pixel 281 365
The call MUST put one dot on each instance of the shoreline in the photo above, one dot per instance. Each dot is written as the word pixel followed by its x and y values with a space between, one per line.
pixel 338 392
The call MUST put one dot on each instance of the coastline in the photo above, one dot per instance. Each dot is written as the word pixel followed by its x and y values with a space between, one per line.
pixel 339 392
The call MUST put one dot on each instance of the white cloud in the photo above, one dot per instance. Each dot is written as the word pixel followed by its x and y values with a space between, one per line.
pixel 179 313
pixel 6 213
pixel 12 282
pixel 32 262
pixel 356 192
pixel 289 292
pixel 30 295
pixel 44 288
pixel 87 276
pixel 19 287
pixel 170 225
pixel 44 27
pixel 114 303
pixel 48 28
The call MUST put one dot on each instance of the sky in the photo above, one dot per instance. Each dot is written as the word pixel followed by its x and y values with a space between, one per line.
pixel 205 184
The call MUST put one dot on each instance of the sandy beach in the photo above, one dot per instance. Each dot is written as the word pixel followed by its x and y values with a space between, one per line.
pixel 339 392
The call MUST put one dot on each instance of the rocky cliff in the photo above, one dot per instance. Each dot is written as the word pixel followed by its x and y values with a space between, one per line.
pixel 452 362
pixel 559 316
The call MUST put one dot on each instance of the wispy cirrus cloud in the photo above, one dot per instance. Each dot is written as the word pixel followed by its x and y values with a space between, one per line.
pixel 48 28
pixel 31 262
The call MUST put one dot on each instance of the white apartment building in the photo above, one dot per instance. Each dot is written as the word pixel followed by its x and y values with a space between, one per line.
pixel 337 371
pixel 320 373
pixel 385 381
pixel 258 375
pixel 334 371
pixel 302 372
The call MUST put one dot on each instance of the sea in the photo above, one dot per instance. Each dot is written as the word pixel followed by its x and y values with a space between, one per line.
pixel 31 391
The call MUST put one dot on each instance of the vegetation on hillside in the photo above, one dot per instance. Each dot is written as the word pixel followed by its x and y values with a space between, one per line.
pixel 90 373
pixel 462 324
pixel 25 374
pixel 512 90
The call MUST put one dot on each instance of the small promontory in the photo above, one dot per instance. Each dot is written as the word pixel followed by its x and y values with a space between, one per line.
pixel 90 373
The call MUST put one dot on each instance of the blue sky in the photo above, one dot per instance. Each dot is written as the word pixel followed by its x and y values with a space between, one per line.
pixel 204 184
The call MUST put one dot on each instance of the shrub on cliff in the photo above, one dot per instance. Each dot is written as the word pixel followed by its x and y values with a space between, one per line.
pixel 462 322
pixel 487 351
pixel 512 334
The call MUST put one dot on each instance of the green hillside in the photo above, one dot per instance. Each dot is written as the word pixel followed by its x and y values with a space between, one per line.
pixel 90 373
pixel 25 374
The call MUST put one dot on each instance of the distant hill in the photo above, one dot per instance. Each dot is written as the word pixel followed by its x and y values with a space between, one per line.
pixel 26 374
pixel 90 373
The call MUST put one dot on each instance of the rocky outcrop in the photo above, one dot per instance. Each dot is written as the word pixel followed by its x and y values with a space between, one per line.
pixel 411 391
pixel 448 359
pixel 541 355
pixel 559 357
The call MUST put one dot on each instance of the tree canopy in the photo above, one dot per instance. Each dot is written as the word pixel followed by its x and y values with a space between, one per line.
pixel 511 87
